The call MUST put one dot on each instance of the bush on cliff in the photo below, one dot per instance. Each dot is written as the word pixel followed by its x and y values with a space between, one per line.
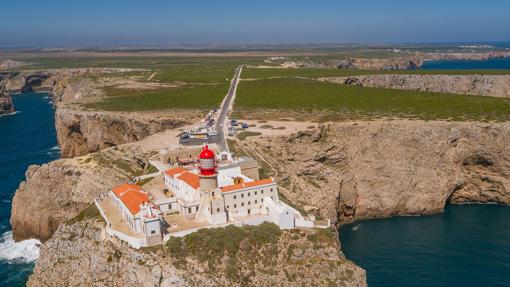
pixel 215 242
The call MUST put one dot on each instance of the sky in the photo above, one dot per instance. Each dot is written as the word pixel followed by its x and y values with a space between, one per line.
pixel 94 23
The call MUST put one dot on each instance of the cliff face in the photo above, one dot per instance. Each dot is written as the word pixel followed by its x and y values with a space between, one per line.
pixel 58 191
pixel 382 169
pixel 80 255
pixel 82 132
pixel 6 105
pixel 482 85
pixel 397 63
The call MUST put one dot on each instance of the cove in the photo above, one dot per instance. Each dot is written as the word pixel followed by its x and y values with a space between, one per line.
pixel 467 245
pixel 27 137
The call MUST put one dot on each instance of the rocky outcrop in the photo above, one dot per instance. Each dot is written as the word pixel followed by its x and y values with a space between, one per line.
pixel 397 63
pixel 482 85
pixel 81 132
pixel 375 169
pixel 80 255
pixel 6 105
pixel 58 191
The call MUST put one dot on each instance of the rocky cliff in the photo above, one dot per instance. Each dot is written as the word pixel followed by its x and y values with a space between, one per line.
pixel 80 255
pixel 58 191
pixel 358 170
pixel 396 63
pixel 6 105
pixel 482 85
pixel 81 132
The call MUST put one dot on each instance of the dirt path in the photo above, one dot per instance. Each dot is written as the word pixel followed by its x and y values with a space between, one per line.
pixel 152 76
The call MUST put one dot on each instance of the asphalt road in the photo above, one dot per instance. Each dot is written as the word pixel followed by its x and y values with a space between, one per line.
pixel 221 123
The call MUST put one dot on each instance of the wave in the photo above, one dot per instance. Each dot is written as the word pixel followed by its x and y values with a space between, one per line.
pixel 356 227
pixel 12 252
pixel 11 114
pixel 55 148
pixel 53 151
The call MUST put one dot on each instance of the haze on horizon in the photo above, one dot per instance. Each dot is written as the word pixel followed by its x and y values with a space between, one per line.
pixel 94 23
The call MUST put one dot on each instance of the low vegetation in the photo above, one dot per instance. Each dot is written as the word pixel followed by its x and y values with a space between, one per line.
pixel 312 98
pixel 189 96
pixel 91 212
pixel 245 134
pixel 208 244
pixel 264 73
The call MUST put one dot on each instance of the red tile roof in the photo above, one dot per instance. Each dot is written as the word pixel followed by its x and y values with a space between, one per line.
pixel 246 185
pixel 174 171
pixel 132 196
pixel 191 179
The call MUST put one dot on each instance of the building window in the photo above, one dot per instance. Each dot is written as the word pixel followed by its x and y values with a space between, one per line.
pixel 262 191
pixel 261 200
pixel 189 209
pixel 255 201
pixel 249 202
pixel 235 196
pixel 248 194
pixel 228 207
pixel 153 232
pixel 271 189
pixel 242 195
pixel 272 198
pixel 242 203
pixel 197 208
pixel 235 205
pixel 255 192
pixel 217 209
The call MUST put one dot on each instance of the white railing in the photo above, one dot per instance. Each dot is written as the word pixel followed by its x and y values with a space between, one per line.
pixel 132 241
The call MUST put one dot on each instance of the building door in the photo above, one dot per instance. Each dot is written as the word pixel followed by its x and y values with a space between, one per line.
pixel 249 211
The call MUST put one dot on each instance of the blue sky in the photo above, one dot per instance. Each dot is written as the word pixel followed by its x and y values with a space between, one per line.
pixel 53 23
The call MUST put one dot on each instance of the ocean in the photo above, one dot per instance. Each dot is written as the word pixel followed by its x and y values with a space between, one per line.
pixel 467 246
pixel 28 137
pixel 492 64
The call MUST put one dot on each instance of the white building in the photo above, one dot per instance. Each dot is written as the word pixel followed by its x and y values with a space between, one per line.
pixel 205 196
pixel 139 213
pixel 222 193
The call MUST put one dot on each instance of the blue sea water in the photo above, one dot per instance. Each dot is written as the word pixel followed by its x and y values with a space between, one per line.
pixel 491 64
pixel 27 137
pixel 466 246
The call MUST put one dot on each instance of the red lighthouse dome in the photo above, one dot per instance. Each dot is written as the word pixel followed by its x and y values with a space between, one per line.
pixel 207 161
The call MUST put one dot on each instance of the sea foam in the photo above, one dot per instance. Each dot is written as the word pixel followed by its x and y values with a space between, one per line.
pixel 12 252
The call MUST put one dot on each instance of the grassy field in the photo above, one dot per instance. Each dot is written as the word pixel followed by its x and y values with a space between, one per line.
pixel 346 102
pixel 262 73
pixel 202 83
pixel 189 96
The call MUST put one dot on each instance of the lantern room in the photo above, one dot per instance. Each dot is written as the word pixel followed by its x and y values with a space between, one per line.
pixel 207 162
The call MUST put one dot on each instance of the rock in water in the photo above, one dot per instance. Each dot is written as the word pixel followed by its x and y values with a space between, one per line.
pixel 6 105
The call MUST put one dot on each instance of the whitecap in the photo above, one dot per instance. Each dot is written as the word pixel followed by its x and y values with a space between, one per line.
pixel 356 227
pixel 55 148
pixel 12 252
pixel 10 114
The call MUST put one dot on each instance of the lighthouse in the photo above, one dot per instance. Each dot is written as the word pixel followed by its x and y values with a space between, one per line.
pixel 207 167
